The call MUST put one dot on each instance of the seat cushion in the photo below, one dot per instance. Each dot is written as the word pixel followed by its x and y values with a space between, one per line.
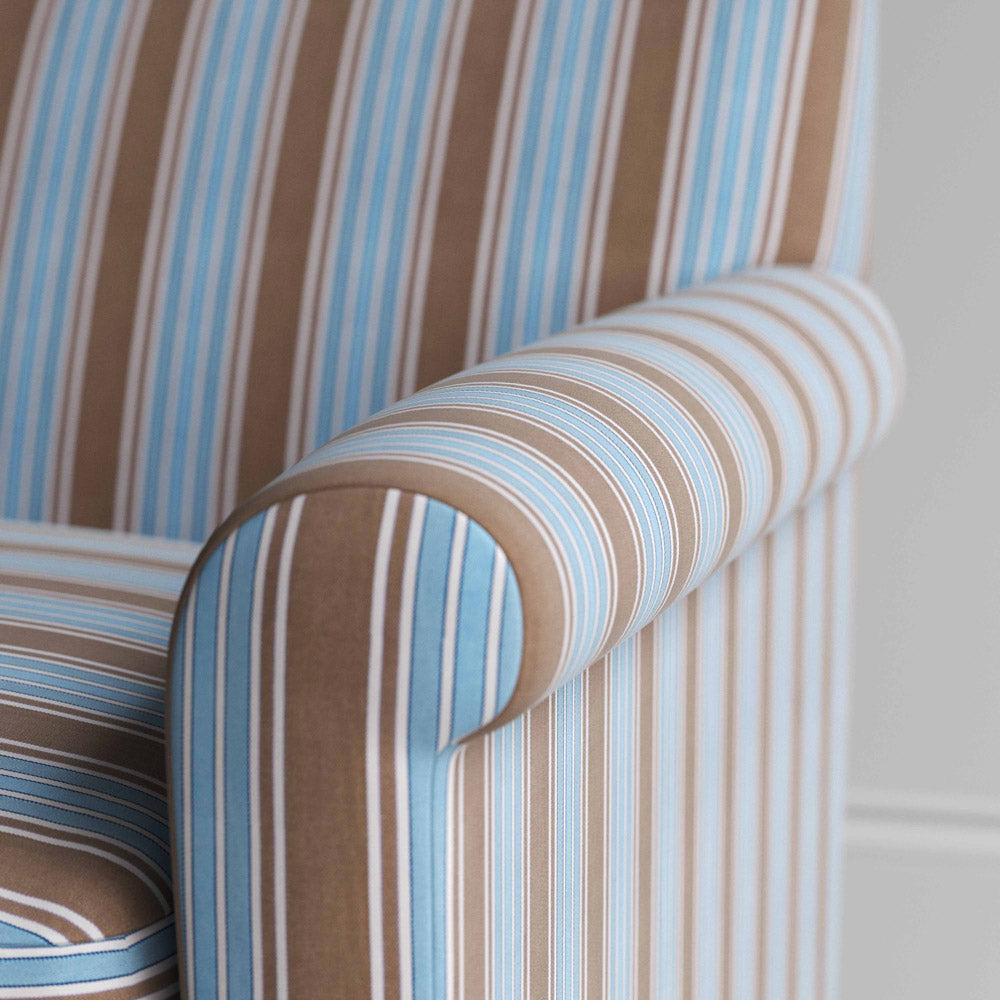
pixel 85 878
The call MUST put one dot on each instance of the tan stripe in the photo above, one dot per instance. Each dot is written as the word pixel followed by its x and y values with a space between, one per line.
pixel 612 112
pixel 780 363
pixel 691 747
pixel 145 990
pixel 763 818
pixel 96 200
pixel 474 847
pixel 93 887
pixel 645 782
pixel 834 374
pixel 30 721
pixel 795 796
pixel 488 251
pixel 825 744
pixel 641 151
pixel 702 416
pixel 597 786
pixel 847 331
pixel 15 16
pixel 685 138
pixel 817 133
pixel 28 66
pixel 390 658
pixel 79 645
pixel 266 789
pixel 132 904
pixel 268 388
pixel 162 606
pixel 761 413
pixel 732 581
pixel 463 190
pixel 539 903
pixel 103 397
pixel 326 690
pixel 255 247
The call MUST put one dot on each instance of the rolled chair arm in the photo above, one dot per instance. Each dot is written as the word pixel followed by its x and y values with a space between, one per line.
pixel 443 566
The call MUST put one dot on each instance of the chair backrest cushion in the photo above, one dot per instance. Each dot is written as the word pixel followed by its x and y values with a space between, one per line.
pixel 229 231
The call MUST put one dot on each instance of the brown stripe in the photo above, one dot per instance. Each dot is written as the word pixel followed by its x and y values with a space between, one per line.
pixel 144 899
pixel 539 802
pixel 103 396
pixel 30 722
pixel 596 678
pixel 95 887
pixel 641 151
pixel 390 657
pixel 82 645
pixel 473 928
pixel 145 990
pixel 691 747
pixel 266 787
pixel 77 334
pixel 326 691
pixel 763 818
pixel 700 36
pixel 269 376
pixel 850 334
pixel 31 70
pixel 463 190
pixel 762 414
pixel 15 16
pixel 817 133
pixel 162 607
pixel 645 743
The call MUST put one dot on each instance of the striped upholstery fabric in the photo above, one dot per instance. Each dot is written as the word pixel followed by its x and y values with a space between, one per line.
pixel 431 576
pixel 529 684
pixel 229 231
pixel 85 881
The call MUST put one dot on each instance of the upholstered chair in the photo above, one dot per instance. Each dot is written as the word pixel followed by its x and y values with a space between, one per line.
pixel 426 446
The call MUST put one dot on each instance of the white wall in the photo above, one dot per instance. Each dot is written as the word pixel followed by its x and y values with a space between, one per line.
pixel 922 910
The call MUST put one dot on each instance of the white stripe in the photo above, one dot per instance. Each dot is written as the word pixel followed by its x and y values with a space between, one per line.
pixel 373 744
pixel 278 749
pixel 34 927
pixel 401 744
pixel 57 909
pixel 256 624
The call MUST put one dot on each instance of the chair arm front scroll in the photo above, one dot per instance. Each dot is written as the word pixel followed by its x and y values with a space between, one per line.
pixel 441 568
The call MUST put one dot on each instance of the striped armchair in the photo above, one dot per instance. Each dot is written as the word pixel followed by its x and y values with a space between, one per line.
pixel 426 434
